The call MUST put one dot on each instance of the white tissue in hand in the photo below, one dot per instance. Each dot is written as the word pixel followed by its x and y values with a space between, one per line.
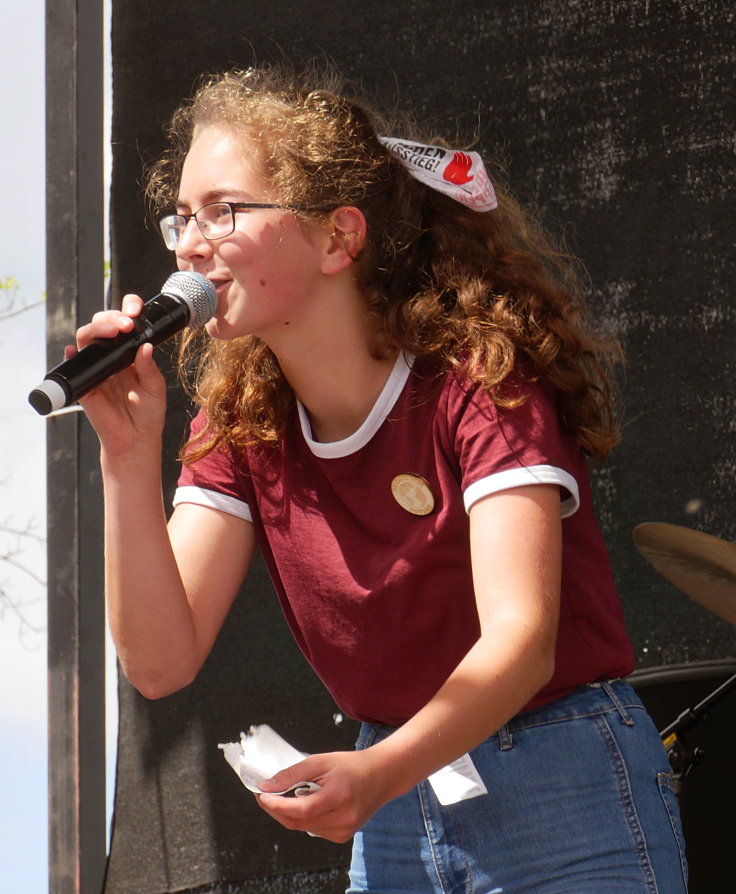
pixel 260 754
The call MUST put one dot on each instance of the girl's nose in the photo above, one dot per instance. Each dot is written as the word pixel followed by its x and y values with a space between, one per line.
pixel 192 243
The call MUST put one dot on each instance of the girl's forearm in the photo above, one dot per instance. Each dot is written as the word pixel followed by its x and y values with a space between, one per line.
pixel 489 686
pixel 148 612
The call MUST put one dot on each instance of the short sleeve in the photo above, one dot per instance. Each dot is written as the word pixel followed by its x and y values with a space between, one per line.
pixel 502 448
pixel 214 480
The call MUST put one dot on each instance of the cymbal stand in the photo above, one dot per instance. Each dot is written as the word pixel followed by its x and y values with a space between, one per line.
pixel 682 756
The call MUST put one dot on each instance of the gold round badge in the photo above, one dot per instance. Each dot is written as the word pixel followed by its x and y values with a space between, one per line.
pixel 413 493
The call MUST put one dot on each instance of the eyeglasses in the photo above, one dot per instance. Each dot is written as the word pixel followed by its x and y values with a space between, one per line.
pixel 215 220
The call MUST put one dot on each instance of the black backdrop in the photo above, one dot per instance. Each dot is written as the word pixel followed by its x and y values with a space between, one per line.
pixel 613 119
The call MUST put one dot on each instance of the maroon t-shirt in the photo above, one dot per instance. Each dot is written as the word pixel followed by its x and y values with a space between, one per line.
pixel 379 597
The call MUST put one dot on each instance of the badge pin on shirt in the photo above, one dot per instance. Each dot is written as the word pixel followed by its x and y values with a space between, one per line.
pixel 413 493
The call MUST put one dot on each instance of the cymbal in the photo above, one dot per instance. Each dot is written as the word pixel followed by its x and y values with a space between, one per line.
pixel 702 566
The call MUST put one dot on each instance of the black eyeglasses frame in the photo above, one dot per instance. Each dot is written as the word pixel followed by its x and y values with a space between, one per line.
pixel 234 207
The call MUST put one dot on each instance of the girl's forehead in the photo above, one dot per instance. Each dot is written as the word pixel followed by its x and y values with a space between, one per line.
pixel 222 159
pixel 220 140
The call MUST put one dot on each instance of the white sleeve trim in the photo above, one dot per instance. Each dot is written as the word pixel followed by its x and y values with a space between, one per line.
pixel 214 500
pixel 522 477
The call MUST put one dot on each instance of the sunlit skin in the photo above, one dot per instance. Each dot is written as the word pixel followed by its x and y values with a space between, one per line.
pixel 289 283
pixel 268 272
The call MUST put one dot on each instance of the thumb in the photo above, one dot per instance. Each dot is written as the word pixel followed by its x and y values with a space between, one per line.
pixel 285 778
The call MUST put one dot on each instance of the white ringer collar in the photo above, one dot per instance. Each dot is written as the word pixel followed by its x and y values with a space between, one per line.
pixel 374 420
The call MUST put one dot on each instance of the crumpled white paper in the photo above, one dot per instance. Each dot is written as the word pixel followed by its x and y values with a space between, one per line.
pixel 260 754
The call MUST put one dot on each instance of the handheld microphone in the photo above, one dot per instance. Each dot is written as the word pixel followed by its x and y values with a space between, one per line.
pixel 186 299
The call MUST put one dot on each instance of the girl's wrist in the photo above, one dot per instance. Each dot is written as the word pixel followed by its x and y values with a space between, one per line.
pixel 393 770
pixel 143 455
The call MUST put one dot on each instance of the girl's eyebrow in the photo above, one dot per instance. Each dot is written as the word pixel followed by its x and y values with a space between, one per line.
pixel 215 195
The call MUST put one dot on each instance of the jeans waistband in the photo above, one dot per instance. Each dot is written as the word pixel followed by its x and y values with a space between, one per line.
pixel 604 697
pixel 589 700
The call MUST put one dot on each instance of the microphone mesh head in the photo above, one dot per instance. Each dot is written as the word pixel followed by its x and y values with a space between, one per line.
pixel 198 293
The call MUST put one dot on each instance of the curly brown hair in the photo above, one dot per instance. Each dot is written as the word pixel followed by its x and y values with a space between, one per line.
pixel 487 291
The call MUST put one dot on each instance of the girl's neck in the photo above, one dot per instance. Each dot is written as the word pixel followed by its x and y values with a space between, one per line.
pixel 326 358
pixel 339 390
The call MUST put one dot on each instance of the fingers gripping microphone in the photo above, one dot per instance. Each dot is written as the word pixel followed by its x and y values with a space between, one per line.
pixel 186 299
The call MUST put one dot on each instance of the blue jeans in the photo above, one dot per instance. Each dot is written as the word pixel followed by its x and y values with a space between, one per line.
pixel 579 800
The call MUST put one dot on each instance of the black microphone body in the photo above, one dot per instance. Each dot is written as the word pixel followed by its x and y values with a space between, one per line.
pixel 185 299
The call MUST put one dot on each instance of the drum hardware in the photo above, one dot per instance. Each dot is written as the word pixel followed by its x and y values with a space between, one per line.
pixel 704 568
pixel 681 756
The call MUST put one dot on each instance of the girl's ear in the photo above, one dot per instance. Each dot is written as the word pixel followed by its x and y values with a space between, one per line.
pixel 347 239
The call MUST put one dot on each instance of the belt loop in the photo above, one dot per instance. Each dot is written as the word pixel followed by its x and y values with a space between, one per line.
pixel 626 718
pixel 368 734
pixel 505 742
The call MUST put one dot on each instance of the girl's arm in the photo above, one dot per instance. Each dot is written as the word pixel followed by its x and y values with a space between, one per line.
pixel 168 588
pixel 516 548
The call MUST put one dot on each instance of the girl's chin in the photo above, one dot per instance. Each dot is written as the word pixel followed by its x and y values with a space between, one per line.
pixel 213 328
pixel 217 327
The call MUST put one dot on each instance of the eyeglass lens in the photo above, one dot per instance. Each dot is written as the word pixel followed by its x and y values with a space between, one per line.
pixel 214 222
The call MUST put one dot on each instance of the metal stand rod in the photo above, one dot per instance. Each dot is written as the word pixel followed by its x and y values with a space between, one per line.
pixel 682 756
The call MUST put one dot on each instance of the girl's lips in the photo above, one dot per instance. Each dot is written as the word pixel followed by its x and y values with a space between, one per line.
pixel 220 284
pixel 217 281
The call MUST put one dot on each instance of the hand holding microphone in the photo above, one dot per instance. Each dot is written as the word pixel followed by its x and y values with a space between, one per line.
pixel 186 299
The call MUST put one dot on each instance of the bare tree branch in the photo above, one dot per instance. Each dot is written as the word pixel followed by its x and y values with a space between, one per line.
pixel 7 313
pixel 10 303
pixel 10 557
pixel 15 541
pixel 26 532
pixel 11 560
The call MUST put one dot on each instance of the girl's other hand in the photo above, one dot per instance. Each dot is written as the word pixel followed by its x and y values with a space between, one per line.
pixel 351 790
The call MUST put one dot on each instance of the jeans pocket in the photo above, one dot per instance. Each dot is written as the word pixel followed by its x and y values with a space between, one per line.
pixel 667 793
